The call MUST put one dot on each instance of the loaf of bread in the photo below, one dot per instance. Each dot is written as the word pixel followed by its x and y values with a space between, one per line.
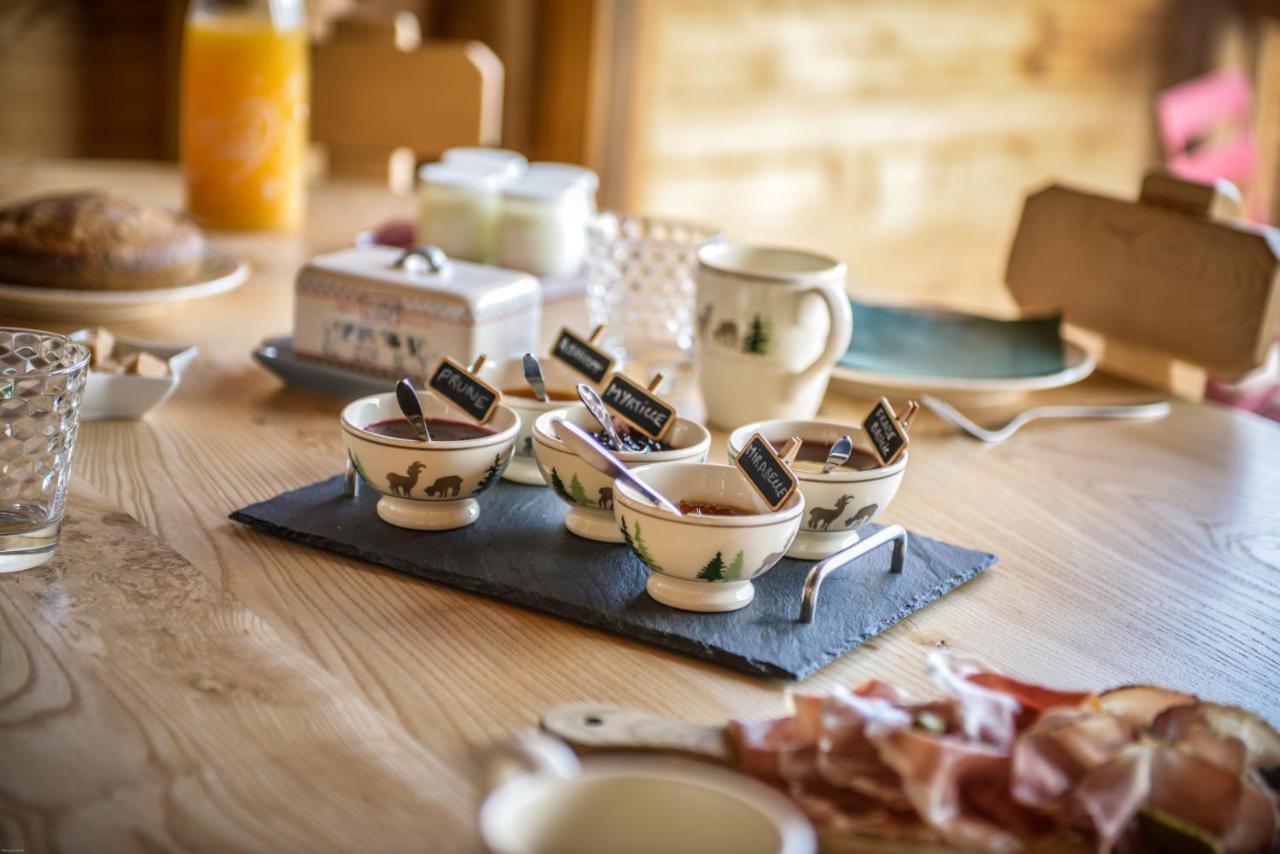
pixel 96 241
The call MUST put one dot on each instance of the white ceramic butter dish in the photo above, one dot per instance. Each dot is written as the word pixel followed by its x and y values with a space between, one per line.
pixel 382 310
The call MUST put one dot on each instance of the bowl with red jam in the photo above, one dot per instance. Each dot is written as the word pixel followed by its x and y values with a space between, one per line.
pixel 705 558
pixel 588 492
pixel 841 502
pixel 508 375
pixel 427 486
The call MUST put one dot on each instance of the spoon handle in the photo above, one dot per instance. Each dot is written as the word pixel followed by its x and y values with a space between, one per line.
pixel 533 376
pixel 599 458
pixel 411 408
pixel 591 400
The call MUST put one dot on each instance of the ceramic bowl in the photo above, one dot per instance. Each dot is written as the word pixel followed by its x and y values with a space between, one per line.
pixel 510 374
pixel 427 486
pixel 589 493
pixel 838 503
pixel 703 563
pixel 128 397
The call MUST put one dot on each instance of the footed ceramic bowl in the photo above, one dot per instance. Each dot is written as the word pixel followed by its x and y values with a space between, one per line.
pixel 704 563
pixel 589 493
pixel 427 486
pixel 561 382
pixel 838 503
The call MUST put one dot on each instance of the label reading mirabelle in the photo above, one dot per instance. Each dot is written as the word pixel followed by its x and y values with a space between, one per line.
pixel 465 390
pixel 649 414
pixel 888 439
pixel 766 472
pixel 582 356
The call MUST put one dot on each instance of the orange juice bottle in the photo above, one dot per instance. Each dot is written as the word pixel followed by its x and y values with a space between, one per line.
pixel 244 113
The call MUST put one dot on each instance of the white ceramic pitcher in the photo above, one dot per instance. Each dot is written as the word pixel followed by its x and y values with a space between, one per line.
pixel 771 325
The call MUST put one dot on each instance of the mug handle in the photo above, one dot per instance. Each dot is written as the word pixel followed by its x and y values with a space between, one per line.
pixel 841 332
pixel 532 753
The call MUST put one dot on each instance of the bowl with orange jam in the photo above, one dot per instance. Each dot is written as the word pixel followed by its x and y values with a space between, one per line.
pixel 508 375
pixel 839 502
pixel 427 486
pixel 705 558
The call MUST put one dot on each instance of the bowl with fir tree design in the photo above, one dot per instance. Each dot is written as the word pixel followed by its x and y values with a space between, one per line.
pixel 704 562
pixel 561 383
pixel 841 501
pixel 427 486
pixel 590 493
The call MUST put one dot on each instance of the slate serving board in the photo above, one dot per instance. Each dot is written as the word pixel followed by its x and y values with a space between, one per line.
pixel 520 552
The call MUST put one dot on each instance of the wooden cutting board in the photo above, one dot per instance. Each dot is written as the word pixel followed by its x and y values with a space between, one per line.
pixel 1168 274
pixel 143 705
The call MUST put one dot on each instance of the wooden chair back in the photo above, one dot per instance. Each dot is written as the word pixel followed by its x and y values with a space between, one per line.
pixel 1167 288
pixel 383 100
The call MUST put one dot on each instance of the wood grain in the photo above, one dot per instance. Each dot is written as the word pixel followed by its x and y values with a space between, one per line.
pixel 157 707
pixel 869 129
pixel 360 109
pixel 1129 552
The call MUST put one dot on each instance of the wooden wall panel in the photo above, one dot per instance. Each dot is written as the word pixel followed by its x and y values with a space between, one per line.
pixel 866 127
pixel 84 77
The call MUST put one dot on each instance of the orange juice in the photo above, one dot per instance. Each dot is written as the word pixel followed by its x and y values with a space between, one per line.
pixel 244 120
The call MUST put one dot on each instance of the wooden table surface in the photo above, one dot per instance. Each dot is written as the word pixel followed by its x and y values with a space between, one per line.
pixel 261 695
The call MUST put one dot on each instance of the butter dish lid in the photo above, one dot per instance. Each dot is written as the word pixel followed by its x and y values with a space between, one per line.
pixel 482 287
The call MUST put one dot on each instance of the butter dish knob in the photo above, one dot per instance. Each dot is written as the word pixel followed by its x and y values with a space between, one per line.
pixel 422 259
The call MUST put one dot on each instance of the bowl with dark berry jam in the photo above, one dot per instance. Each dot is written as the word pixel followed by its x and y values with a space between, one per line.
pixel 588 492
pixel 840 502
pixel 562 384
pixel 705 558
pixel 429 486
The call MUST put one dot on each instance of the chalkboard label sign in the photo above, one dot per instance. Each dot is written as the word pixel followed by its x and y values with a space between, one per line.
pixel 646 412
pixel 766 472
pixel 464 390
pixel 582 356
pixel 888 439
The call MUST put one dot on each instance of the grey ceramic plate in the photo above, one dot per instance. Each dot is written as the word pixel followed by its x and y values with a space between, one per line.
pixel 277 356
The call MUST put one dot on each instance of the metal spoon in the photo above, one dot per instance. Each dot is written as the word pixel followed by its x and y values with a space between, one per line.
pixel 533 376
pixel 407 397
pixel 839 454
pixel 598 411
pixel 598 457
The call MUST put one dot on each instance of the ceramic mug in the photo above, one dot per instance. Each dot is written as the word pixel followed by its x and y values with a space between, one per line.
pixel 772 323
pixel 547 801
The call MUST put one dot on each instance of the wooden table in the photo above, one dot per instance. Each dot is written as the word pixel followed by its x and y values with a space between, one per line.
pixel 267 696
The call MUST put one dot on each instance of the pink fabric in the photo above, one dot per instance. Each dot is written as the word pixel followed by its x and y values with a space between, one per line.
pixel 1192 111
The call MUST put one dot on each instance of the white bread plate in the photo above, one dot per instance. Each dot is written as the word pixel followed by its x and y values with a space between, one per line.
pixel 128 397
pixel 218 273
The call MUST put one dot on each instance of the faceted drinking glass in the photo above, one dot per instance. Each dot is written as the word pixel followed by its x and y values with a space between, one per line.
pixel 41 378
pixel 640 284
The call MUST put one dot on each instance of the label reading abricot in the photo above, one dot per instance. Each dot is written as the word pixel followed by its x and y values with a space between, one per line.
pixel 582 356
